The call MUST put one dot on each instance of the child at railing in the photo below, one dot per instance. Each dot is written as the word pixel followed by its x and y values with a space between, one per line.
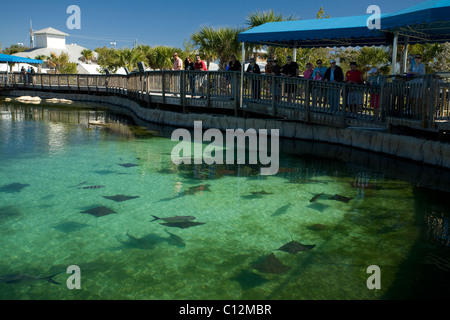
pixel 318 75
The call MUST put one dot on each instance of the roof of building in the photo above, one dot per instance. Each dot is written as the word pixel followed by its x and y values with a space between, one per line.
pixel 51 31
pixel 73 50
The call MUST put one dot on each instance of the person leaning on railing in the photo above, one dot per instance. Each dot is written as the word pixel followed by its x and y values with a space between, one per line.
pixel 354 97
pixel 201 66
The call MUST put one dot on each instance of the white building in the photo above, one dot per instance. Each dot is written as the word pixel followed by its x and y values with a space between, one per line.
pixel 50 40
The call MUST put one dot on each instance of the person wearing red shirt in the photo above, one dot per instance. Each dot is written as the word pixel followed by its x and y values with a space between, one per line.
pixel 354 98
pixel 200 66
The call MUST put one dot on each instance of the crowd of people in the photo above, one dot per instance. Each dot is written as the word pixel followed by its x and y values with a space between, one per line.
pixel 27 74
pixel 290 69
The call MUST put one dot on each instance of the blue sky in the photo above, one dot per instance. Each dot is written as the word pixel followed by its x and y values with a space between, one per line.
pixel 159 22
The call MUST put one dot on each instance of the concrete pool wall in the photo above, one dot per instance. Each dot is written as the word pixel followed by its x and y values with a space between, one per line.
pixel 429 152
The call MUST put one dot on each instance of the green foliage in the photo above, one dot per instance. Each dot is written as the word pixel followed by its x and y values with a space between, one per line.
pixel 160 57
pixel 218 43
pixel 15 49
pixel 61 63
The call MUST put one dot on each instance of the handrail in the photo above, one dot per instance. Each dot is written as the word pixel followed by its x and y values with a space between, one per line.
pixel 424 100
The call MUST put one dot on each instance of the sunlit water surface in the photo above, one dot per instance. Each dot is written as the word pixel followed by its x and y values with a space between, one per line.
pixel 56 162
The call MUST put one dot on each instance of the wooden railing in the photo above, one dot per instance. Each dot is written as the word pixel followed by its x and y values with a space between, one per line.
pixel 424 103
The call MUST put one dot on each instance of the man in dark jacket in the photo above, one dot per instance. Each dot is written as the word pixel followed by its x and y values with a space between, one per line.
pixel 334 74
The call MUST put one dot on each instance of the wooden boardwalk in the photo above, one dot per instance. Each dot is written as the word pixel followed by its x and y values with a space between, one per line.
pixel 424 106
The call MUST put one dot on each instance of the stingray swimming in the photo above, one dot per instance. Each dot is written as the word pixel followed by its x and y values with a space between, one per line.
pixel 13 187
pixel 120 198
pixel 271 264
pixel 174 219
pixel 293 247
pixel 99 211
pixel 338 197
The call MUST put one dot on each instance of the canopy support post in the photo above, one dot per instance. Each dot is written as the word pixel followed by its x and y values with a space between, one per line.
pixel 294 53
pixel 394 53
pixel 241 93
pixel 405 55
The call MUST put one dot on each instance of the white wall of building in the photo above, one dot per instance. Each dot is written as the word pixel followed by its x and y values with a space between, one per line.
pixel 50 41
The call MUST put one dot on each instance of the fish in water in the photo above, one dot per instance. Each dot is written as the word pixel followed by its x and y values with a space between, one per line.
pixel 13 187
pixel 175 240
pixel 174 219
pixel 281 210
pixel 182 224
pixel 317 196
pixel 128 165
pixel 147 242
pixel 99 211
pixel 151 240
pixel 15 278
pixel 340 198
pixel 93 187
pixel 271 264
pixel 78 185
pixel 120 198
pixel 294 247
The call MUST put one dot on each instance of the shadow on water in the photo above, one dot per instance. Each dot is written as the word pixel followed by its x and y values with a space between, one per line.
pixel 425 273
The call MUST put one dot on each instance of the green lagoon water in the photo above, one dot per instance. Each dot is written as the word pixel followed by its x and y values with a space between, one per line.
pixel 50 153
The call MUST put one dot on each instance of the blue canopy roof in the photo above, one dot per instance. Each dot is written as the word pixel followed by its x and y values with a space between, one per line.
pixel 14 59
pixel 425 22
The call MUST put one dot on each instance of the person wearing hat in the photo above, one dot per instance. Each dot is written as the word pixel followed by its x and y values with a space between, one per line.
pixel 290 69
pixel 375 80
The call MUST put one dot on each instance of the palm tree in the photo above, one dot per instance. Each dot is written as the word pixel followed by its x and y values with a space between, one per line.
pixel 258 18
pixel 374 57
pixel 61 63
pixel 218 43
pixel 160 57
pixel 129 58
pixel 87 55
pixel 204 39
